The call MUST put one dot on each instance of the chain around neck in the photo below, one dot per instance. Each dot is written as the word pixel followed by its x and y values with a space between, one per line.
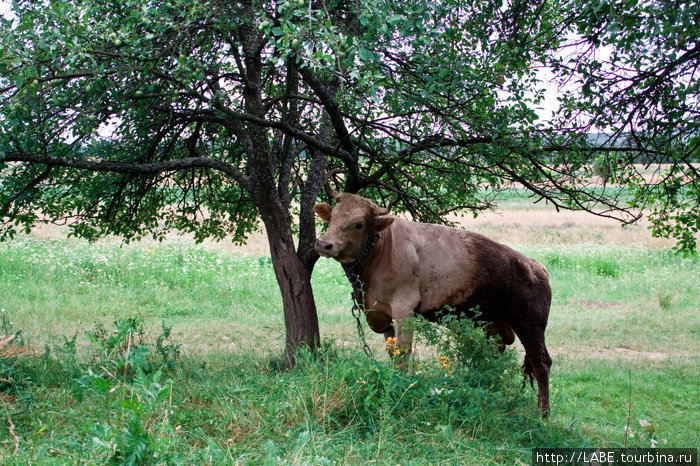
pixel 351 269
pixel 357 298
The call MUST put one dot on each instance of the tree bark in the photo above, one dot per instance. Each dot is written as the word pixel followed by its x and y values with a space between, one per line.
pixel 294 280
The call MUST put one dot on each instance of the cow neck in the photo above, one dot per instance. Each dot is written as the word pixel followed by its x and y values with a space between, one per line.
pixel 352 271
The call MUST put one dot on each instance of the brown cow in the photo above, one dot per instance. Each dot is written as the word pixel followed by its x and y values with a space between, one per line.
pixel 407 267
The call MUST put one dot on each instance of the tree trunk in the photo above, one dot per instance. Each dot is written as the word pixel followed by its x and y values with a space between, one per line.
pixel 294 280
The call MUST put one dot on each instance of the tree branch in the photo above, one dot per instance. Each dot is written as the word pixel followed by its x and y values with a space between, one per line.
pixel 143 169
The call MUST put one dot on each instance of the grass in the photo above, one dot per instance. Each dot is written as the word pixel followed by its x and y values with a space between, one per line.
pixel 75 393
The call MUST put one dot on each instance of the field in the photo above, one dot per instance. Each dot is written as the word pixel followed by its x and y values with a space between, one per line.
pixel 169 353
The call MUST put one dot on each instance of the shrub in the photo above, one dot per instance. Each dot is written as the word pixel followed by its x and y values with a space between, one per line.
pixel 467 353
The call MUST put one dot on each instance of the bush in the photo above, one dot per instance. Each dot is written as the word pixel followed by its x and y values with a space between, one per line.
pixel 467 354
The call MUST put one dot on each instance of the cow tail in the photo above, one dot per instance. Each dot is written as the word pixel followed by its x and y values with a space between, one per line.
pixel 527 371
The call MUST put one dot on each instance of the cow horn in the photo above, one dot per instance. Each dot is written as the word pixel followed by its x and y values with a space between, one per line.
pixel 382 210
pixel 333 193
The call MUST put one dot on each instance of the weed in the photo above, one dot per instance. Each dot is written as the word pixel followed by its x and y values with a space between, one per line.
pixel 128 374
pixel 126 348
pixel 606 268
pixel 466 351
pixel 665 299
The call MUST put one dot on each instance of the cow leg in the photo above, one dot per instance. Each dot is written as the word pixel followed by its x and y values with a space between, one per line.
pixel 537 357
pixel 402 308
pixel 399 341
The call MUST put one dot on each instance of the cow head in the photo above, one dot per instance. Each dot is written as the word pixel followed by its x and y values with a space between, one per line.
pixel 351 222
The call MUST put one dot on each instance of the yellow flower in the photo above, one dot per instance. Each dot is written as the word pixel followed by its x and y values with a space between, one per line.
pixel 391 344
pixel 393 348
pixel 446 363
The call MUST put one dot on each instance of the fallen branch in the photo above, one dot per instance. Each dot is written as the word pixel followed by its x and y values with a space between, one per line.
pixel 12 433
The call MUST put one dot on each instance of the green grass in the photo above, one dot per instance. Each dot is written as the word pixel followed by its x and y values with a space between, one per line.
pixel 618 314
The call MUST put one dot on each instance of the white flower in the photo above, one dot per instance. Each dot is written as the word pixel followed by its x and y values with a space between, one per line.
pixel 644 423
pixel 629 432
pixel 653 443
pixel 438 391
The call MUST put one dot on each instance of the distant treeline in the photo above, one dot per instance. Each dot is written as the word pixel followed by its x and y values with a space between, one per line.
pixel 633 142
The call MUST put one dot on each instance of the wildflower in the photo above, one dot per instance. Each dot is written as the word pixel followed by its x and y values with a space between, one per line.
pixel 439 391
pixel 446 365
pixel 644 423
pixel 392 347
pixel 629 432
pixel 445 361
pixel 391 344
pixel 653 442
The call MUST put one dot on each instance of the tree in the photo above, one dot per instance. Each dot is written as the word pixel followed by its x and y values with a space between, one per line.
pixel 141 116
pixel 632 69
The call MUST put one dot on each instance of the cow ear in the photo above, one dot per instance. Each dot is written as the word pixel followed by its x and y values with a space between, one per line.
pixel 383 221
pixel 323 211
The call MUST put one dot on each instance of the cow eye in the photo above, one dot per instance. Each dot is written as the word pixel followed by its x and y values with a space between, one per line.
pixel 359 226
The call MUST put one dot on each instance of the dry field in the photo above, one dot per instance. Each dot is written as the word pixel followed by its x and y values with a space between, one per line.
pixel 536 226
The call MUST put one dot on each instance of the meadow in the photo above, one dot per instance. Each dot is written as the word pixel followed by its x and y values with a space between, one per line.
pixel 169 353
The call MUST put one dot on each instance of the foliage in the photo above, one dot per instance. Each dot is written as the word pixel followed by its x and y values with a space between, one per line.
pixel 127 373
pixel 125 349
pixel 149 106
pixel 630 69
pixel 467 353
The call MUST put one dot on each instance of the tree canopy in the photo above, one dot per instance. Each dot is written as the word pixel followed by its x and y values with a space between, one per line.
pixel 632 67
pixel 206 116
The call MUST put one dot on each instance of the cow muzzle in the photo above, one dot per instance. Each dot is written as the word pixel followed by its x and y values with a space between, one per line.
pixel 325 248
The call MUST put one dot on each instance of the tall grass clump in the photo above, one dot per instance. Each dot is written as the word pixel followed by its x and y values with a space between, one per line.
pixel 342 406
pixel 111 404
pixel 130 375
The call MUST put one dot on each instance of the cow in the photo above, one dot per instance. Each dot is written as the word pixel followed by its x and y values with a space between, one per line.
pixel 406 268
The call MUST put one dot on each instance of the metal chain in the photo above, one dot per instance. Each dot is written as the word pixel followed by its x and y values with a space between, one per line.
pixel 357 294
